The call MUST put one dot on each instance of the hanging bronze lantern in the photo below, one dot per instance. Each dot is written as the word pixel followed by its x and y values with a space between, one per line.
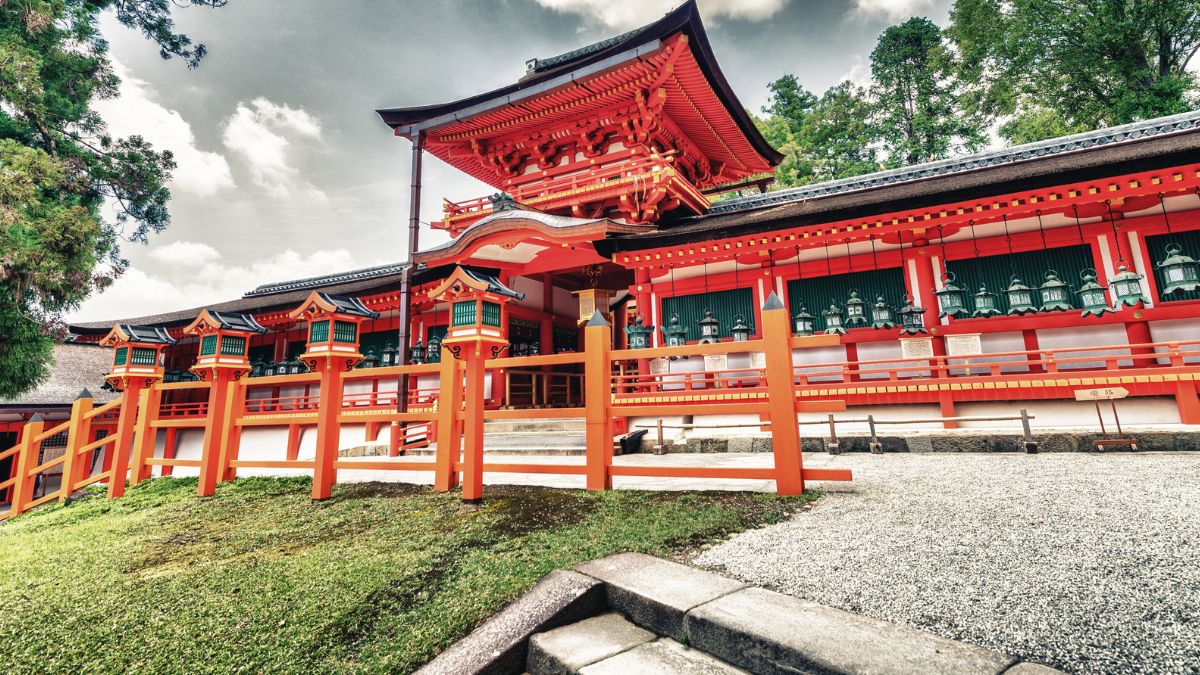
pixel 951 298
pixel 675 333
pixel 433 352
pixel 1127 286
pixel 911 322
pixel 1020 297
pixel 741 332
pixel 389 353
pixel 710 329
pixel 1180 271
pixel 985 303
pixel 417 353
pixel 1054 293
pixel 833 321
pixel 881 314
pixel 639 335
pixel 856 310
pixel 1091 295
pixel 803 321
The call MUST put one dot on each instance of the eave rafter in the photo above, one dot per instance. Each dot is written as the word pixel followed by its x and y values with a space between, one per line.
pixel 919 224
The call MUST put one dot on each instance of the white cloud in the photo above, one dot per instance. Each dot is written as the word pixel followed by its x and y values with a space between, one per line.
pixel 185 254
pixel 263 134
pixel 622 14
pixel 135 111
pixel 192 274
pixel 892 10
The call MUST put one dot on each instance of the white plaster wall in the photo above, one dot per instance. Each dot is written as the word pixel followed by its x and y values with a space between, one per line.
pixel 532 290
pixel 887 349
pixel 1143 411
pixel 1086 336
pixel 1179 330
pixel 820 355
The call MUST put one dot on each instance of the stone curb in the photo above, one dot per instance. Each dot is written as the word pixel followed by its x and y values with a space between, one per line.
pixel 500 645
pixel 752 628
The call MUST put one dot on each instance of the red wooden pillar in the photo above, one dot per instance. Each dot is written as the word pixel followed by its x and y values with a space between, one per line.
pixel 79 434
pixel 449 427
pixel 293 442
pixel 1138 333
pixel 170 447
pixel 472 434
pixel 118 452
pixel 220 414
pixel 852 360
pixel 598 397
pixel 1029 336
pixel 781 396
pixel 145 434
pixel 328 428
pixel 26 459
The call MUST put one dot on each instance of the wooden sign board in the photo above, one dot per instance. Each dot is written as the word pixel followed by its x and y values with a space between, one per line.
pixel 916 348
pixel 968 344
pixel 1102 394
pixel 758 360
pixel 660 366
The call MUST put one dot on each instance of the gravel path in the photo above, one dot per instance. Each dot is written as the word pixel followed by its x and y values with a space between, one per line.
pixel 1088 563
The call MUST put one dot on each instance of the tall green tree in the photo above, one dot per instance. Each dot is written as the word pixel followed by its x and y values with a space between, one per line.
pixel 916 96
pixel 821 138
pixel 1053 66
pixel 61 172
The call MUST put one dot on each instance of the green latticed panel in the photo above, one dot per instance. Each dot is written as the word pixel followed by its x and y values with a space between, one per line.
pixel 208 345
pixel 262 354
pixel 996 271
pixel 143 356
pixel 232 345
pixel 345 331
pixel 318 331
pixel 1156 247
pixel 818 293
pixel 121 357
pixel 463 313
pixel 725 305
pixel 376 342
pixel 491 314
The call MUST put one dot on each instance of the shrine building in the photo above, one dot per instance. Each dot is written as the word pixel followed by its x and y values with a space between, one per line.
pixel 628 179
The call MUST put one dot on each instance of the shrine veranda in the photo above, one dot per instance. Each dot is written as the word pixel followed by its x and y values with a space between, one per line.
pixel 631 186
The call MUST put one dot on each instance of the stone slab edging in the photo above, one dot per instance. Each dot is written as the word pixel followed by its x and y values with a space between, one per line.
pixel 752 628
pixel 500 645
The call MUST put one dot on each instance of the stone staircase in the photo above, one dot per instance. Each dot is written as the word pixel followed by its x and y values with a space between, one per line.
pixel 632 613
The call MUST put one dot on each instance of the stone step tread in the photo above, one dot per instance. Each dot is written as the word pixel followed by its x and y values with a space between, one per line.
pixel 567 649
pixel 663 656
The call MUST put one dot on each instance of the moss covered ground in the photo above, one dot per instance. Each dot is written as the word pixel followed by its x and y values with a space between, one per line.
pixel 261 579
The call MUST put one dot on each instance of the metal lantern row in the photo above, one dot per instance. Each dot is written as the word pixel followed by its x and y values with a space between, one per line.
pixel 951 298
pixel 1128 287
pixel 881 314
pixel 803 321
pixel 1091 295
pixel 856 310
pixel 740 331
pixel 710 328
pixel 639 334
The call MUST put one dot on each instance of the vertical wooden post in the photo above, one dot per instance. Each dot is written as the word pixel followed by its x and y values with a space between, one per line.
pixel 231 433
pixel 145 435
pixel 781 396
pixel 1187 401
pixel 27 458
pixel 597 374
pixel 946 407
pixel 169 449
pixel 78 435
pixel 449 430
pixel 293 442
pixel 121 447
pixel 328 429
pixel 210 451
pixel 472 478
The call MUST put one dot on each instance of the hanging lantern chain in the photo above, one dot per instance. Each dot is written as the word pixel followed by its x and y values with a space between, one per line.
pixel 1112 219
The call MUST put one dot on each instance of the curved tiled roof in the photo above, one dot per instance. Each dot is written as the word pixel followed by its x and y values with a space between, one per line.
pixel 1160 126
pixel 327 280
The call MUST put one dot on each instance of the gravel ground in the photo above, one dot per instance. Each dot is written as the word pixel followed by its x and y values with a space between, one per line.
pixel 1088 563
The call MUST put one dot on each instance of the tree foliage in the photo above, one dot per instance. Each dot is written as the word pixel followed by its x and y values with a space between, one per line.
pixel 69 192
pixel 1053 66
pixel 916 96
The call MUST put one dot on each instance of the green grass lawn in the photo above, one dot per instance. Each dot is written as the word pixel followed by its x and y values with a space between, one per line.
pixel 259 578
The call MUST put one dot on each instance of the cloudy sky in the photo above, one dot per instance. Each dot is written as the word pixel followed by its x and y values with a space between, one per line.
pixel 285 171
